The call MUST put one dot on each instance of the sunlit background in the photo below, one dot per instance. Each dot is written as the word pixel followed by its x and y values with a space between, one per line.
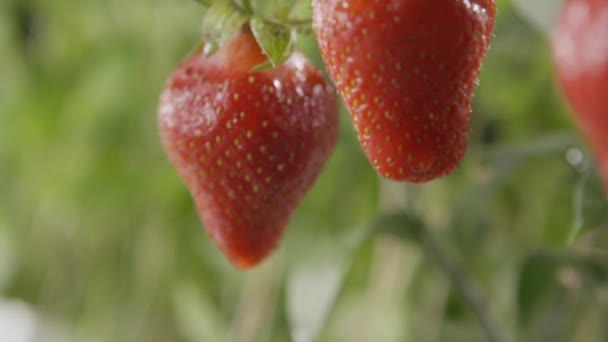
pixel 99 240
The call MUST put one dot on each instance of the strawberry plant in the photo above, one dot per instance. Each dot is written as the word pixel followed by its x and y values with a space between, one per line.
pixel 128 129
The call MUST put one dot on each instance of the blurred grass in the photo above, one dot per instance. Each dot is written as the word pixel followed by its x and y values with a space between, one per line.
pixel 97 231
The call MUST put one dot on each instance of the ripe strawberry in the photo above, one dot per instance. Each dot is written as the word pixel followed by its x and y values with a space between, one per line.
pixel 249 145
pixel 407 70
pixel 580 54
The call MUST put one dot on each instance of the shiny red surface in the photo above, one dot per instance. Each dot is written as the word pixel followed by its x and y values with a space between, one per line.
pixel 248 145
pixel 407 70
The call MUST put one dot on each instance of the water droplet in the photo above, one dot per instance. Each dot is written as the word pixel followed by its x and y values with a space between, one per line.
pixel 574 156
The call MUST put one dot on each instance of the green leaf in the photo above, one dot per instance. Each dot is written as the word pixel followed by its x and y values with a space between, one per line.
pixel 590 204
pixel 262 67
pixel 274 38
pixel 222 21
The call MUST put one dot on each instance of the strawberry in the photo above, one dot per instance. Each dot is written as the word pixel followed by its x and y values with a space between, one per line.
pixel 406 70
pixel 580 55
pixel 249 145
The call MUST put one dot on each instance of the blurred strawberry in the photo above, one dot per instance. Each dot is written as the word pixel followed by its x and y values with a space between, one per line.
pixel 580 54
pixel 407 70
pixel 249 145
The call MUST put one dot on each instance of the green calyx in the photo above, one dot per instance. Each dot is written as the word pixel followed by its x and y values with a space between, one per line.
pixel 225 18
pixel 276 39
pixel 222 21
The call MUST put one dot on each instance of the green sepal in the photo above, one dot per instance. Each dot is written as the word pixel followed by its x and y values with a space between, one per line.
pixel 262 67
pixel 275 39
pixel 222 21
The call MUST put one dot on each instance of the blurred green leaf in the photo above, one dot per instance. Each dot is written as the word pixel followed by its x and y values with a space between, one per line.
pixel 541 13
pixel 399 224
pixel 299 9
pixel 590 204
pixel 502 164
pixel 537 277
pixel 552 287
pixel 196 316
pixel 313 284
pixel 204 2
pixel 274 38
pixel 246 5
pixel 311 292
pixel 8 261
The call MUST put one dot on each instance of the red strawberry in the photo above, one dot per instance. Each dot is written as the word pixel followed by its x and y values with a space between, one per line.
pixel 407 70
pixel 580 53
pixel 248 145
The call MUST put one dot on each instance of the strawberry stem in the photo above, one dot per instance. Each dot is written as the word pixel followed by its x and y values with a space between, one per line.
pixel 245 7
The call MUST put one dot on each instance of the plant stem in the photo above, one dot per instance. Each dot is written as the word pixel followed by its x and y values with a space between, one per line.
pixel 465 285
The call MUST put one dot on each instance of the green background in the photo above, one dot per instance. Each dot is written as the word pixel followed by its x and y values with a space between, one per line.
pixel 99 236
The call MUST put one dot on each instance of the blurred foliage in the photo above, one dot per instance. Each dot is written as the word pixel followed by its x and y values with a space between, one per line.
pixel 98 233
